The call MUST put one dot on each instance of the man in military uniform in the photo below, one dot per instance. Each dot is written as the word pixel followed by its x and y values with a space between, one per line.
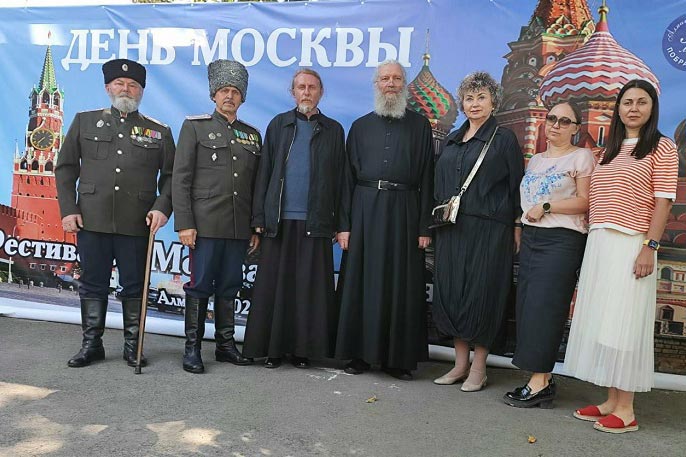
pixel 214 175
pixel 120 159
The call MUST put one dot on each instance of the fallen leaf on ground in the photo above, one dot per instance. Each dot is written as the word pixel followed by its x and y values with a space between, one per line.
pixel 371 399
pixel 531 439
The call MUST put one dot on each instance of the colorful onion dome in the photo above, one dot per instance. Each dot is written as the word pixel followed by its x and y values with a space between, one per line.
pixel 428 97
pixel 595 71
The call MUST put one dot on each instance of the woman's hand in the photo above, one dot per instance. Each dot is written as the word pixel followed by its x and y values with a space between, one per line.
pixel 535 214
pixel 645 263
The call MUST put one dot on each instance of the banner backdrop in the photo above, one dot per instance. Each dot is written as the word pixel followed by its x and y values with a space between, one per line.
pixel 52 69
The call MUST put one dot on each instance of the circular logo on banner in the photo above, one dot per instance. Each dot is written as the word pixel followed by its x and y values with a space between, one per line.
pixel 674 43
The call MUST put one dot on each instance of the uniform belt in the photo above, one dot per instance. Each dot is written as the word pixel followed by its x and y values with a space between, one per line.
pixel 385 185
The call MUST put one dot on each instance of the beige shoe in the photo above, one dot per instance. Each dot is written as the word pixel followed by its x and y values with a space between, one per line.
pixel 447 380
pixel 469 387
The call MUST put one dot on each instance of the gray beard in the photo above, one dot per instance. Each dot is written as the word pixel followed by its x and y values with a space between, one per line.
pixel 390 105
pixel 125 104
pixel 305 109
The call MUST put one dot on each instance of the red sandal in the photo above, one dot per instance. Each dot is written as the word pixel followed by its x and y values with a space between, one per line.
pixel 589 413
pixel 613 424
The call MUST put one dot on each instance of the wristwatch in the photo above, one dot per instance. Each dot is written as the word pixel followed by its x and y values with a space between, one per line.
pixel 546 208
pixel 652 244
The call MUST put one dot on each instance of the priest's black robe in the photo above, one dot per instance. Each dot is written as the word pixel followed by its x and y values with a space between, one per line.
pixel 382 289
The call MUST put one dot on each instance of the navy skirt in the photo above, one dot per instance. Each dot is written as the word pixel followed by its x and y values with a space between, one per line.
pixel 549 260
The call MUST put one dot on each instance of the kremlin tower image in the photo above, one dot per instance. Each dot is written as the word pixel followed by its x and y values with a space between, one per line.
pixel 33 213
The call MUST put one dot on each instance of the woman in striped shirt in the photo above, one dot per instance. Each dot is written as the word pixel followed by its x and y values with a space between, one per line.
pixel 632 190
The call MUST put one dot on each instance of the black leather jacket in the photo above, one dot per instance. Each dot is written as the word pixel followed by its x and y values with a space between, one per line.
pixel 327 163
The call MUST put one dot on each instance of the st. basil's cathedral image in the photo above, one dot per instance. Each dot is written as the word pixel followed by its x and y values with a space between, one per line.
pixel 562 54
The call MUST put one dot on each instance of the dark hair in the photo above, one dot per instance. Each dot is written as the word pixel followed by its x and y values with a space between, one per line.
pixel 649 135
pixel 575 109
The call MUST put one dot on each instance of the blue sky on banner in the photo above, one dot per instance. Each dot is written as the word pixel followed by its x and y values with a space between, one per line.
pixel 465 35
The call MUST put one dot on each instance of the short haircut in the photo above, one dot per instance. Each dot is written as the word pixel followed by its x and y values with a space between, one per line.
pixel 480 80
pixel 307 71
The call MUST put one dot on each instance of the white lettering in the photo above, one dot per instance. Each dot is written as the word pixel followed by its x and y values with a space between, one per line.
pixel 11 247
pixel 167 261
pixel 219 49
pixel 52 251
pixel 237 47
pixel 309 45
pixel 97 45
pixel 80 39
pixel 272 44
pixel 353 46
pixel 376 46
pixel 69 253
pixel 141 46
pixel 24 250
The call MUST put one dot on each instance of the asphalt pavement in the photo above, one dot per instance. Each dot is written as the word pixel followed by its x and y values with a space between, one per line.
pixel 49 409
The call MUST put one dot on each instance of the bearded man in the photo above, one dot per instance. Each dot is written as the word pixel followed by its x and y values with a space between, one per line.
pixel 120 159
pixel 295 208
pixel 383 229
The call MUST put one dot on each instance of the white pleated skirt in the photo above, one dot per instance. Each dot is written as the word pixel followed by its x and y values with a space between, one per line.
pixel 611 338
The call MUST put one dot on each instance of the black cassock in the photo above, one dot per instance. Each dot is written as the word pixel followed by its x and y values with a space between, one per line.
pixel 382 287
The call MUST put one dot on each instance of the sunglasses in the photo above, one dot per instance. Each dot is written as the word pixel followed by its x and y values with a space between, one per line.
pixel 561 121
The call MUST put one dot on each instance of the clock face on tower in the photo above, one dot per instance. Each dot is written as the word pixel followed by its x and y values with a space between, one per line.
pixel 42 139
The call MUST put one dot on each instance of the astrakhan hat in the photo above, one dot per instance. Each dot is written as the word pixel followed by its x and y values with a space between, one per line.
pixel 222 73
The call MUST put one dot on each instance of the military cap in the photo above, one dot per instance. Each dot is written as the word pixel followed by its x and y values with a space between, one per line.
pixel 222 73
pixel 123 68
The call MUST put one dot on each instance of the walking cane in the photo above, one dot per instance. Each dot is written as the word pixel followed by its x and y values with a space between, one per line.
pixel 144 302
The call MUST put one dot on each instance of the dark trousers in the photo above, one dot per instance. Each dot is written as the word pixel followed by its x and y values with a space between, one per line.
pixel 98 250
pixel 216 266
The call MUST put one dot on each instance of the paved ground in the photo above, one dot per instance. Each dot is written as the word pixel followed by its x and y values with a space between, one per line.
pixel 49 409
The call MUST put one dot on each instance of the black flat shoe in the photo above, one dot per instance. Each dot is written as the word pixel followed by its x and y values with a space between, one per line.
pixel 356 366
pixel 300 362
pixel 522 397
pixel 272 362
pixel 398 373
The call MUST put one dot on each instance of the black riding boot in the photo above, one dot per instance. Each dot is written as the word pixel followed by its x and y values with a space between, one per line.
pixel 196 312
pixel 93 312
pixel 224 329
pixel 131 311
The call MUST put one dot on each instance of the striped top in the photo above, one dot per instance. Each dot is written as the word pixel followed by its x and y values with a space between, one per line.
pixel 623 191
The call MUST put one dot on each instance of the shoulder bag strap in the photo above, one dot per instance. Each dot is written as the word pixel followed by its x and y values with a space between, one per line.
pixel 478 163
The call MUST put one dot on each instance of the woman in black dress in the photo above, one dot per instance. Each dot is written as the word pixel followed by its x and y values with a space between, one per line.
pixel 474 256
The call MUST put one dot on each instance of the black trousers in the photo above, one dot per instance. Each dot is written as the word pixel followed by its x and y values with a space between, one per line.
pixel 98 250
pixel 548 262
pixel 216 266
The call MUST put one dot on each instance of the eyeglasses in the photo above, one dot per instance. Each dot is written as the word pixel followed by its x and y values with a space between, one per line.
pixel 561 121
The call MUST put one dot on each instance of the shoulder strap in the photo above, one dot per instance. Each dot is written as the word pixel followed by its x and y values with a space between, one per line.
pixel 478 163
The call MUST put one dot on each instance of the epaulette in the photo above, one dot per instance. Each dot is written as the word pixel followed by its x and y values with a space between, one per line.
pixel 105 110
pixel 249 125
pixel 152 119
pixel 199 117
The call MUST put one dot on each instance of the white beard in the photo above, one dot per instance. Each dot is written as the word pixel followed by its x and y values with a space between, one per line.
pixel 124 103
pixel 391 105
